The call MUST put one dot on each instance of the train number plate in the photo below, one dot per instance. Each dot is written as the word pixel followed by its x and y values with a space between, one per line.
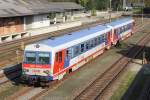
pixel 35 71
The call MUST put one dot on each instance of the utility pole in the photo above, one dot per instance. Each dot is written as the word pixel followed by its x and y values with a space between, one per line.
pixel 142 11
pixel 124 4
pixel 110 10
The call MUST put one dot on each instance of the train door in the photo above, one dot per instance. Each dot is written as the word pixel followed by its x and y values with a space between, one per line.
pixel 133 27
pixel 109 38
pixel 115 37
pixel 59 61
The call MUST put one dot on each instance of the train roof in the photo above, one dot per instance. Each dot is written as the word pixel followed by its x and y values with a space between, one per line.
pixel 118 22
pixel 77 37
pixel 73 36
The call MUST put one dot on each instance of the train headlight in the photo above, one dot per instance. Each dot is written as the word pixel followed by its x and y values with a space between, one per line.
pixel 46 71
pixel 25 70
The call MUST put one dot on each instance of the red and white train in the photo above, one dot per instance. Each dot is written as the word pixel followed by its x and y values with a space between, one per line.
pixel 51 59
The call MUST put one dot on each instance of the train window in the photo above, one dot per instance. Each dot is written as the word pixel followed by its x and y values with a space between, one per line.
pixel 119 30
pixel 56 58
pixel 69 53
pixel 87 45
pixel 43 58
pixel 128 26
pixel 99 39
pixel 76 50
pixel 30 57
pixel 95 41
pixel 82 47
pixel 60 56
pixel 122 29
pixel 92 43
pixel 104 37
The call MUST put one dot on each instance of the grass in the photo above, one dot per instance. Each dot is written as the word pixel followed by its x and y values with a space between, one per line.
pixel 126 80
pixel 137 10
pixel 139 84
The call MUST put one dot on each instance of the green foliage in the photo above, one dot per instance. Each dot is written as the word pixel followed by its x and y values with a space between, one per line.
pixel 93 11
pixel 83 2
pixel 52 15
pixel 117 4
pixel 101 4
pixel 62 0
pixel 147 3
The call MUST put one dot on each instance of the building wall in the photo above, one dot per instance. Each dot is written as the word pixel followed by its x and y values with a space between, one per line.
pixel 37 21
pixel 28 22
pixel 40 21
pixel 1 26
pixel 11 25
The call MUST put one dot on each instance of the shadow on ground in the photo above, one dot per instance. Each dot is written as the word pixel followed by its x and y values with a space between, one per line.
pixel 145 51
pixel 136 89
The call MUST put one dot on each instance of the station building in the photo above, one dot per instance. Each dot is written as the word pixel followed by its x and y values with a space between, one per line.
pixel 17 16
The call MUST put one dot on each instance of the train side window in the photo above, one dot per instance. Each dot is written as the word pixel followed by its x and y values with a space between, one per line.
pixel 95 41
pixel 91 43
pixel 119 30
pixel 76 50
pixel 104 37
pixel 82 47
pixel 87 45
pixel 99 39
pixel 56 57
pixel 69 53
pixel 60 56
pixel 128 26
pixel 122 29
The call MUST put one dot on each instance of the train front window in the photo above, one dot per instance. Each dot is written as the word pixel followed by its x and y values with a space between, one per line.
pixel 43 58
pixel 31 57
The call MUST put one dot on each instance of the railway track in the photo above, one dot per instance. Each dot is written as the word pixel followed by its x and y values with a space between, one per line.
pixel 97 88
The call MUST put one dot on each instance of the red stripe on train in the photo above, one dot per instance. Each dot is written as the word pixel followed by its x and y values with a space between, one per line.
pixel 35 66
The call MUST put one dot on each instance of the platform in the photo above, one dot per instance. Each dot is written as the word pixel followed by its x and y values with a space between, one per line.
pixel 38 31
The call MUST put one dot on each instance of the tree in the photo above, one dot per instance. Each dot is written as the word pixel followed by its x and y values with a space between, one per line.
pixel 83 2
pixel 147 3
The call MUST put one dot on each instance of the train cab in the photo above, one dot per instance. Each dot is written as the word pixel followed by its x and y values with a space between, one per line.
pixel 37 62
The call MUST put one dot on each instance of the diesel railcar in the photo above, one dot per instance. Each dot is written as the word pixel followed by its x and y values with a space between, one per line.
pixel 51 59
